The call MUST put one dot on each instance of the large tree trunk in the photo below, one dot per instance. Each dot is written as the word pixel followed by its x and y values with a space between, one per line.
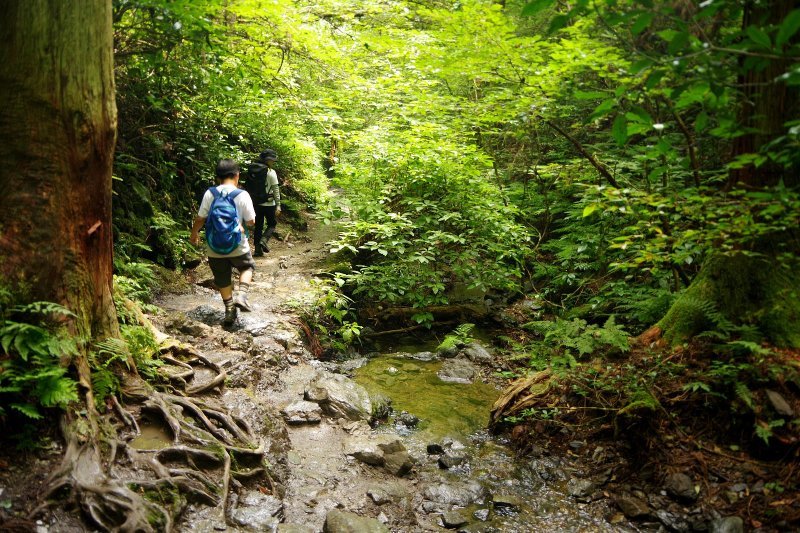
pixel 57 134
pixel 751 290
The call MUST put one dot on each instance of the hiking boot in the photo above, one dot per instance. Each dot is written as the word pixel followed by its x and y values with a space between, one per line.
pixel 258 252
pixel 241 302
pixel 230 315
pixel 264 246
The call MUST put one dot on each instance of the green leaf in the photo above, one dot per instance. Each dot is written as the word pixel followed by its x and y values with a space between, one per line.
pixel 788 28
pixel 590 95
pixel 589 209
pixel 537 6
pixel 620 130
pixel 642 22
pixel 678 42
pixel 603 108
pixel 28 410
pixel 759 36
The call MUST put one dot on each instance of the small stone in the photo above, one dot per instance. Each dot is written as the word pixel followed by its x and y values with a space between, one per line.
pixel 672 521
pixel 680 486
pixel 739 487
pixel 507 502
pixel 632 507
pixel 576 444
pixel 731 497
pixel 481 514
pixel 778 402
pixel 302 412
pixel 435 449
pixel 398 463
pixel 580 488
pixel 383 519
pixel 454 519
pixel 728 524
pixel 449 461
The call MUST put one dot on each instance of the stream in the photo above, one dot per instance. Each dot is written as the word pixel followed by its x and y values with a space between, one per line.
pixel 451 471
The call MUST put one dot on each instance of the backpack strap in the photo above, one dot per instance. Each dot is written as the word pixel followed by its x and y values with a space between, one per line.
pixel 234 193
pixel 214 192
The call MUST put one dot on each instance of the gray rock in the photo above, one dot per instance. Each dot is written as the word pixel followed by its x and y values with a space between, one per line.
pixel 302 412
pixel 632 507
pixel 337 521
pixel 460 494
pixel 481 514
pixel 340 397
pixel 739 487
pixel 454 519
pixel 778 402
pixel 580 488
pixel 407 419
pixel 457 371
pixel 422 356
pixel 475 352
pixel 435 449
pixel 258 511
pixel 448 353
pixel 352 364
pixel 376 450
pixel 379 496
pixel 728 524
pixel 680 486
pixel 381 406
pixel 398 463
pixel 672 521
pixel 448 461
pixel 506 501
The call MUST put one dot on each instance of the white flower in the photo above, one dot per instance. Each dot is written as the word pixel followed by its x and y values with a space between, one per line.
pixel 658 127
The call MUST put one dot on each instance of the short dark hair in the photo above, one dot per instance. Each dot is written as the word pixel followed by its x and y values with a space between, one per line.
pixel 227 168
pixel 269 153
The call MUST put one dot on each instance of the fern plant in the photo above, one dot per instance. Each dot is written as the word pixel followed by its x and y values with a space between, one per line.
pixel 458 337
pixel 34 359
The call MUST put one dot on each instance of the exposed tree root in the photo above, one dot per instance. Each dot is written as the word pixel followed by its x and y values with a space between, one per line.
pixel 209 446
pixel 523 393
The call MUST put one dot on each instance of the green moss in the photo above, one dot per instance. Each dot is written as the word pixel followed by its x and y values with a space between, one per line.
pixel 739 292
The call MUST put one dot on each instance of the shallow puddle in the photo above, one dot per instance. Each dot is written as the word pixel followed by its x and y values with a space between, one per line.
pixel 152 437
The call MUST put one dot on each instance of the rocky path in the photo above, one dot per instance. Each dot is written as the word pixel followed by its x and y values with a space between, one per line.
pixel 269 369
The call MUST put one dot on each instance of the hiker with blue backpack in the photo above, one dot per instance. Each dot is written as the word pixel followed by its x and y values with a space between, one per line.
pixel 262 184
pixel 224 211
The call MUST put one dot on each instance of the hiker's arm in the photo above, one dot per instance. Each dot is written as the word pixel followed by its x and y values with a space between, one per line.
pixel 199 222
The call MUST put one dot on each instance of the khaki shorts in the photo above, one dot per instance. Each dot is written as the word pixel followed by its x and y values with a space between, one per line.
pixel 221 267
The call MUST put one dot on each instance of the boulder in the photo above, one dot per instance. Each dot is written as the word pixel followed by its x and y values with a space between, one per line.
pixel 632 507
pixel 680 486
pixel 454 520
pixel 302 412
pixel 398 463
pixel 477 353
pixel 339 397
pixel 457 371
pixel 337 521
pixel 459 494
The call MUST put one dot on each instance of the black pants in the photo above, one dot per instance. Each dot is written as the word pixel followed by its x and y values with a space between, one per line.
pixel 263 211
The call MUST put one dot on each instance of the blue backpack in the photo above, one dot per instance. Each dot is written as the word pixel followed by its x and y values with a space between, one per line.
pixel 222 224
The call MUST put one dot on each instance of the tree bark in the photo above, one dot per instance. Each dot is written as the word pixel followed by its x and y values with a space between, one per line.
pixel 57 135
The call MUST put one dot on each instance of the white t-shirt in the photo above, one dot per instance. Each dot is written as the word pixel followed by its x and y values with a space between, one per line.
pixel 245 210
pixel 273 190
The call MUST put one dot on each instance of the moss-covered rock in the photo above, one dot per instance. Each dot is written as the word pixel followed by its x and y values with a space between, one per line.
pixel 736 292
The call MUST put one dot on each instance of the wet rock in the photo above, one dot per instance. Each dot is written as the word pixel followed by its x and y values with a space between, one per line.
pixel 778 402
pixel 457 371
pixel 379 496
pixel 481 514
pixel 728 524
pixel 302 412
pixel 448 461
pixel 460 494
pixel 423 356
pixel 673 522
pixel 381 406
pixel 407 419
pixel 258 511
pixel 380 450
pixel 580 488
pixel 435 449
pixel 507 502
pixel 352 364
pixel 454 519
pixel 337 521
pixel 207 314
pixel 632 506
pixel 448 353
pixel 340 397
pixel 680 486
pixel 477 353
pixel 398 463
